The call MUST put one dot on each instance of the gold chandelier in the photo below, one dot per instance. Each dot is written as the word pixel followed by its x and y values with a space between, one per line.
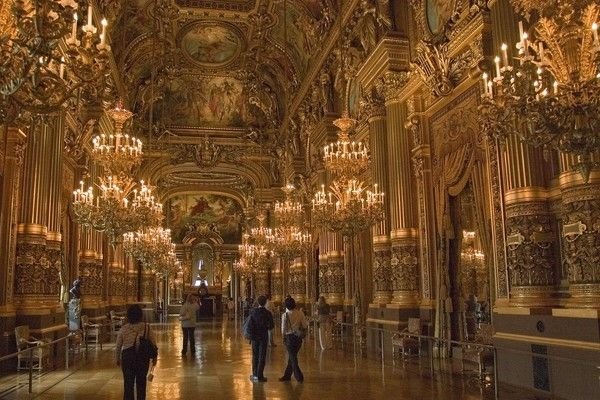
pixel 253 256
pixel 551 97
pixel 289 211
pixel 259 235
pixel 153 248
pixel 38 74
pixel 289 242
pixel 120 207
pixel 349 206
pixel 346 157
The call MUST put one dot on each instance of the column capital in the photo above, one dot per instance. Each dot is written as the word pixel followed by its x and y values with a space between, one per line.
pixel 392 84
pixel 372 105
pixel 391 54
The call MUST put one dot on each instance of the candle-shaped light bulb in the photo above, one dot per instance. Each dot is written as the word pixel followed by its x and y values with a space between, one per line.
pixel 485 82
pixel 541 51
pixel 497 62
pixel 89 15
pixel 61 69
pixel 504 49
pixel 555 86
pixel 595 32
pixel 104 23
pixel 74 30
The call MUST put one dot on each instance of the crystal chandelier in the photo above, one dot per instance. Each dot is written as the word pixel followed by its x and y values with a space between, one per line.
pixel 289 242
pixel 551 97
pixel 289 211
pixel 256 256
pixel 117 153
pixel 120 207
pixel 153 248
pixel 348 207
pixel 345 157
pixel 39 74
pixel 259 235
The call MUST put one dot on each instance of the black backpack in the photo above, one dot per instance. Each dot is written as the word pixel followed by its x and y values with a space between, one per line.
pixel 146 350
pixel 248 327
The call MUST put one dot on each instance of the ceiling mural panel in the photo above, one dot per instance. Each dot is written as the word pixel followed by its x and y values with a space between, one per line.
pixel 217 101
pixel 210 44
pixel 220 213
pixel 231 5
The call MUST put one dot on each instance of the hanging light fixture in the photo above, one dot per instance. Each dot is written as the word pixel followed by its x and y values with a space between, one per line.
pixel 120 207
pixel 41 74
pixel 551 96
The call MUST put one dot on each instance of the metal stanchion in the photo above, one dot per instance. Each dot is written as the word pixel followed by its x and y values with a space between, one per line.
pixel 496 383
pixel 431 356
pixel 31 369
pixel 382 349
pixel 67 353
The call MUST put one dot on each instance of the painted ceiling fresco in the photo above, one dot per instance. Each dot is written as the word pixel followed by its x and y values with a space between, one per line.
pixel 219 213
pixel 209 44
pixel 201 101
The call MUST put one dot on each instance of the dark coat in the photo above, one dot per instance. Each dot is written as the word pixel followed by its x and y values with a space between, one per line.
pixel 261 322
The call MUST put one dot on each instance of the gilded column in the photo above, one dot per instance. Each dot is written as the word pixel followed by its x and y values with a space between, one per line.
pixel 530 235
pixel 132 281
pixel 297 280
pixel 261 283
pixel 338 279
pixel 116 280
pixel 373 106
pixel 580 234
pixel 277 285
pixel 37 281
pixel 12 161
pixel 405 203
pixel 147 286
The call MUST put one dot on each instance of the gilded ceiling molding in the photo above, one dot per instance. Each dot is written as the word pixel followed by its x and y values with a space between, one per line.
pixel 6 19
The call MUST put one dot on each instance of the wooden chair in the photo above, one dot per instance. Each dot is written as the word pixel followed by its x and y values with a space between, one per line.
pixel 478 355
pixel 35 357
pixel 92 333
pixel 116 322
pixel 408 341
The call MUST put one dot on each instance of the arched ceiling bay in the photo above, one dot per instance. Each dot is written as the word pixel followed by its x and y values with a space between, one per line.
pixel 209 82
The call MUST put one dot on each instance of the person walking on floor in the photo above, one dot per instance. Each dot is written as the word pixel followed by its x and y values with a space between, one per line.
pixel 269 306
pixel 187 316
pixel 133 365
pixel 261 321
pixel 293 326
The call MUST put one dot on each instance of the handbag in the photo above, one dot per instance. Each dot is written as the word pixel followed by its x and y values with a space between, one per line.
pixel 146 350
pixel 299 332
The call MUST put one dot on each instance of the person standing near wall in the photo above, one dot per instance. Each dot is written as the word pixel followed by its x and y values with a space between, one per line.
pixel 187 316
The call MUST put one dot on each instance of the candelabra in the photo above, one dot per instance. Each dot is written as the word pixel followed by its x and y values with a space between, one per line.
pixel 39 74
pixel 345 157
pixel 256 256
pixel 348 207
pixel 551 96
pixel 259 235
pixel 117 153
pixel 289 242
pixel 153 248
pixel 288 212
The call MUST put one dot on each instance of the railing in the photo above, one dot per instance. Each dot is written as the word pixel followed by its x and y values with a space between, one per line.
pixel 29 351
pixel 43 344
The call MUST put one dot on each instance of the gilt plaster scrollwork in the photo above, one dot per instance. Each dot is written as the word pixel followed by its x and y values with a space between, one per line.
pixel 531 258
pixel 32 270
pixel 91 274
pixel 581 254
pixel 117 282
pixel 405 264
pixel 392 84
pixel 372 105
pixel 332 277
pixel 382 271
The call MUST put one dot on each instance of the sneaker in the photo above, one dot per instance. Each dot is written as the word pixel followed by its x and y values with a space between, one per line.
pixel 253 378
pixel 284 379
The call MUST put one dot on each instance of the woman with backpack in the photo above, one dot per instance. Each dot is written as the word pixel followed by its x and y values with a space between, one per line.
pixel 134 342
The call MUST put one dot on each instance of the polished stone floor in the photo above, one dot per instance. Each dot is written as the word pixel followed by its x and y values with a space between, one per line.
pixel 221 367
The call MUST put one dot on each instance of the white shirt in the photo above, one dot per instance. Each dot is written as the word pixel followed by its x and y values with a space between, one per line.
pixel 292 320
pixel 129 334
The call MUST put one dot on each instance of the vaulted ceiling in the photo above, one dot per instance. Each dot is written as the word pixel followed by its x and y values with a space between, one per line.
pixel 209 83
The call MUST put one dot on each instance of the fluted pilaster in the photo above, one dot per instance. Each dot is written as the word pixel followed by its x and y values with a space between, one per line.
pixel 9 201
pixel 297 280
pixel 404 222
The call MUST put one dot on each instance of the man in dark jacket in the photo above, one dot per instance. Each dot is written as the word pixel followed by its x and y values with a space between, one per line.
pixel 261 321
